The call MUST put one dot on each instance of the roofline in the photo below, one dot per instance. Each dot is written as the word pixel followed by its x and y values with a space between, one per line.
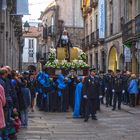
pixel 48 9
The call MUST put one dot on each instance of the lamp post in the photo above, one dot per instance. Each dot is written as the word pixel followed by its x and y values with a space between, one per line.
pixel 26 27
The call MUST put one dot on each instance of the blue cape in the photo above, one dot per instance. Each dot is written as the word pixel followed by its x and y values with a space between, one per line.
pixel 44 79
pixel 61 83
pixel 78 93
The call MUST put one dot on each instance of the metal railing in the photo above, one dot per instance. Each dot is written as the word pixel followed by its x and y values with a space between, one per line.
pixel 93 3
pixel 137 24
pixel 128 30
pixel 87 40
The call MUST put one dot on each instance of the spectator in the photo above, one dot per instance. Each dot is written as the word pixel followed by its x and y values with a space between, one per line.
pixel 26 101
pixel 133 90
pixel 32 87
pixel 2 104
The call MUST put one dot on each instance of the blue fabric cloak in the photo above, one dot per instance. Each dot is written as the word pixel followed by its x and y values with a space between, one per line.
pixel 61 84
pixel 78 93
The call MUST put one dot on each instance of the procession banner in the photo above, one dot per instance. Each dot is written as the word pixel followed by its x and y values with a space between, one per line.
pixel 101 19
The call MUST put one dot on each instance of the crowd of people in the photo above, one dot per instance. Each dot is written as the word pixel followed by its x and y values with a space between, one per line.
pixel 84 94
pixel 16 95
pixel 80 94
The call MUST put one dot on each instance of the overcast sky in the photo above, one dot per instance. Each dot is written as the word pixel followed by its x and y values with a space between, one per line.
pixel 35 7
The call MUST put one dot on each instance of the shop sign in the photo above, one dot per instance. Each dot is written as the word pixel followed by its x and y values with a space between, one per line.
pixel 127 54
pixel 101 19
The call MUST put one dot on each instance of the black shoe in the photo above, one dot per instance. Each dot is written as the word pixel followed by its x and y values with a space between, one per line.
pixel 85 120
pixel 94 118
pixel 106 105
pixel 113 109
pixel 119 108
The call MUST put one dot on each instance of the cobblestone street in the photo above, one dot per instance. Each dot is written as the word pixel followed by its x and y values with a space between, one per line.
pixel 117 125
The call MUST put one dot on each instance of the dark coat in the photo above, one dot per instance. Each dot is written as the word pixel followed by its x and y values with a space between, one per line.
pixel 26 97
pixel 91 87
pixel 118 85
pixel 108 80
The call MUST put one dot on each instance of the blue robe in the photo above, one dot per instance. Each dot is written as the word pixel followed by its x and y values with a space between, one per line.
pixel 61 84
pixel 78 93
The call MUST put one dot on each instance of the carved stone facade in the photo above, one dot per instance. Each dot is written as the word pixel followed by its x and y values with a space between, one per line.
pixel 122 29
pixel 60 15
pixel 10 36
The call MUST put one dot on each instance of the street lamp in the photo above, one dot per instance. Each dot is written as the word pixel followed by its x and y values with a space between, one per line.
pixel 26 27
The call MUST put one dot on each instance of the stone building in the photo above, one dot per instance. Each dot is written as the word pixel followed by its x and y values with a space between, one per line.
pixel 60 15
pixel 121 33
pixel 10 35
pixel 131 34
pixel 31 48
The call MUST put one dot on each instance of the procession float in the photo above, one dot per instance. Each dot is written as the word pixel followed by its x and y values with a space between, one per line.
pixel 65 57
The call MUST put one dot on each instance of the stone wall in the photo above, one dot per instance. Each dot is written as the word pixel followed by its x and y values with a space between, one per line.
pixel 76 35
pixel 10 40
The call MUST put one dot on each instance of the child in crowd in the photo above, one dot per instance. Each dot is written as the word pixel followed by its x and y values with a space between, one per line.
pixel 16 123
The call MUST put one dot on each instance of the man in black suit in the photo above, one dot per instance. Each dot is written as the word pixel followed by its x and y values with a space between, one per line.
pixel 118 87
pixel 91 94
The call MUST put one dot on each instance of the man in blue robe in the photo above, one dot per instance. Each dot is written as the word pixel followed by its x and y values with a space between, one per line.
pixel 78 93
pixel 61 85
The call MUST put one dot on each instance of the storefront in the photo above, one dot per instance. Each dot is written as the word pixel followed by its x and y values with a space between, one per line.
pixel 113 59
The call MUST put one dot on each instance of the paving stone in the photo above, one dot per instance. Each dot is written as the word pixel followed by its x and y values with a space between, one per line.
pixel 112 125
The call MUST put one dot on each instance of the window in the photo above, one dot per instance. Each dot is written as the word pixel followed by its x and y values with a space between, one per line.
pixel 103 61
pixel 111 28
pixel 111 17
pixel 137 7
pixel 90 59
pixel 96 60
pixel 130 10
pixel 31 43
pixel 31 54
pixel 86 29
pixel 31 50
pixel 91 25
pixel 96 24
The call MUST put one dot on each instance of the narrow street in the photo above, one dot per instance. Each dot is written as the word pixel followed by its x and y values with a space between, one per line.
pixel 117 125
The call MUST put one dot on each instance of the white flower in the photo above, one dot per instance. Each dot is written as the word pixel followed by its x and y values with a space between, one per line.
pixel 80 52
pixel 53 50
pixel 56 61
pixel 75 61
pixel 64 62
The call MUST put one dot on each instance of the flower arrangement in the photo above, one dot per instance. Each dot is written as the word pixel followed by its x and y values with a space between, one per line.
pixel 64 64
pixel 82 55
pixel 80 64
pixel 52 54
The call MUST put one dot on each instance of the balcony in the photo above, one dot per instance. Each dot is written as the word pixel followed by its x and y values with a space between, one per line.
pixel 97 34
pixel 45 32
pixel 128 31
pixel 94 38
pixel 137 25
pixel 87 41
pixel 93 3
pixel 83 44
pixel 51 31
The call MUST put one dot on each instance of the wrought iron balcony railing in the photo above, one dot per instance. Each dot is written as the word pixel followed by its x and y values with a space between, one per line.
pixel 87 40
pixel 128 30
pixel 94 36
pixel 93 3
pixel 137 25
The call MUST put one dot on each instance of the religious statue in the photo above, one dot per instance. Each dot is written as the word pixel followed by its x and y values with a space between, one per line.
pixel 64 42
